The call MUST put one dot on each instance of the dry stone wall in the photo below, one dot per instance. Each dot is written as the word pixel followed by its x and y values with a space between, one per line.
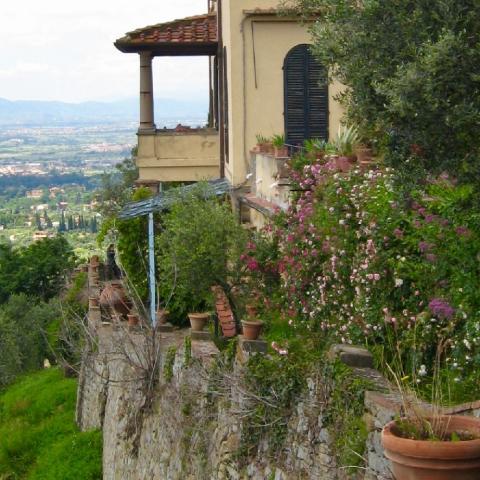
pixel 185 429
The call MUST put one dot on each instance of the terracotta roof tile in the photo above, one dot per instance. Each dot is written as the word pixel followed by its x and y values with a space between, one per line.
pixel 189 30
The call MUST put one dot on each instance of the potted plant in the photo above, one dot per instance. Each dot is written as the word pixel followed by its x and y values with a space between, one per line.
pixel 440 447
pixel 198 320
pixel 280 149
pixel 252 329
pixel 425 443
pixel 263 144
pixel 346 143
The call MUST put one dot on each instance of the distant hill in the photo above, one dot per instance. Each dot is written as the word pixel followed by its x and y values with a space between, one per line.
pixel 34 112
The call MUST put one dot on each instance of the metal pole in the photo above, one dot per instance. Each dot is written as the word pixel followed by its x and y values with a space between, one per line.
pixel 151 265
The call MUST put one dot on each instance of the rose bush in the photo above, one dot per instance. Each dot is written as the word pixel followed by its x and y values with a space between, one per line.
pixel 362 265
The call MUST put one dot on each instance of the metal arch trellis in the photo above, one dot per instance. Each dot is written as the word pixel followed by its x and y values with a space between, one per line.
pixel 160 203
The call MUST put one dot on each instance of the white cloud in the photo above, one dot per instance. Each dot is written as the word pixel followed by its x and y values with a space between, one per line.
pixel 63 50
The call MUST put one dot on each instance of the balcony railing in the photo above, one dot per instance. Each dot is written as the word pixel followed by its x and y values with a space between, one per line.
pixel 178 156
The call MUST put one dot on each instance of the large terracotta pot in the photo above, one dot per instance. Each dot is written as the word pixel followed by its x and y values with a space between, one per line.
pixel 198 321
pixel 435 460
pixel 114 296
pixel 251 329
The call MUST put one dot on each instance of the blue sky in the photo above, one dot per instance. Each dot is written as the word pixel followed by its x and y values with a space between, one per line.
pixel 63 50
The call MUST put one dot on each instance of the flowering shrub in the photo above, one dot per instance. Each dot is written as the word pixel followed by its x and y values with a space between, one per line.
pixel 362 265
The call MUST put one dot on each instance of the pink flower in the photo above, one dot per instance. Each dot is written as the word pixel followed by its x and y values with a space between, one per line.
pixel 252 264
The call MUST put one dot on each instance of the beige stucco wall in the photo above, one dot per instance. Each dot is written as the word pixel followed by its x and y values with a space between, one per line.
pixel 178 156
pixel 256 107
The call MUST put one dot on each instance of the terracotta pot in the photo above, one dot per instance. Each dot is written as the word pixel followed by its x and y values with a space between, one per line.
pixel 251 329
pixel 162 316
pixel 114 296
pixel 435 460
pixel 132 320
pixel 94 260
pixel 364 154
pixel 93 302
pixel 281 152
pixel 198 321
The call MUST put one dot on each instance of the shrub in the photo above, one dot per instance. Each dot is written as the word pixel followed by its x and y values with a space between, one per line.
pixel 362 266
pixel 199 246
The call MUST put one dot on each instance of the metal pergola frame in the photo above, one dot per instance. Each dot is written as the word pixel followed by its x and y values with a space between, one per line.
pixel 159 203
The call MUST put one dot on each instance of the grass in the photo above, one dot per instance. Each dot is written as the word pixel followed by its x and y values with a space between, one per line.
pixel 38 436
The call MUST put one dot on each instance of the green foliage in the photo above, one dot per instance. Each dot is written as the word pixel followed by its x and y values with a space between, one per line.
pixel 132 244
pixel 117 187
pixel 169 363
pixel 23 344
pixel 65 333
pixel 347 140
pixel 38 436
pixel 199 246
pixel 411 69
pixel 343 415
pixel 39 269
pixel 278 140
pixel 187 351
pixel 276 383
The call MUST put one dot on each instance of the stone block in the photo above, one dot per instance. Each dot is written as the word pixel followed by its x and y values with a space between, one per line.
pixel 202 336
pixel 252 346
pixel 164 327
pixel 352 356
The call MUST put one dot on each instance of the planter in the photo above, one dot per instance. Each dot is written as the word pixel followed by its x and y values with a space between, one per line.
pixel 93 302
pixel 94 260
pixel 198 321
pixel 280 152
pixel 162 316
pixel 364 154
pixel 132 320
pixel 435 460
pixel 252 329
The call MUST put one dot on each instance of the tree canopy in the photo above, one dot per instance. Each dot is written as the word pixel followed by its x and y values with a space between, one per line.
pixel 412 72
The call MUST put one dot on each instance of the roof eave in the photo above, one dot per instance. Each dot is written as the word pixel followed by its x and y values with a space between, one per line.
pixel 168 49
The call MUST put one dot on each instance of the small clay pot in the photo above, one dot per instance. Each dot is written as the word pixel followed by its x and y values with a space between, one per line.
pixel 162 316
pixel 93 302
pixel 94 260
pixel 132 320
pixel 364 154
pixel 281 152
pixel 251 329
pixel 435 460
pixel 198 321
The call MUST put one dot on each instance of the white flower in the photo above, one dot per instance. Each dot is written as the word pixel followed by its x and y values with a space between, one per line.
pixel 398 282
pixel 423 370
pixel 467 343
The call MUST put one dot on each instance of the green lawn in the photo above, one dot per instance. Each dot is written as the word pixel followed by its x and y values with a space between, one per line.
pixel 38 437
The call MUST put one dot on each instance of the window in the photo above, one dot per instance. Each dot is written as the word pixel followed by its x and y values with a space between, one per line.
pixel 306 96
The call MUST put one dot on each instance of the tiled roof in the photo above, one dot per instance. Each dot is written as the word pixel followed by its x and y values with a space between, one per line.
pixel 197 30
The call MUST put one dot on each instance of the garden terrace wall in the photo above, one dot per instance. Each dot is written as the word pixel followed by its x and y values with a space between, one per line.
pixel 192 428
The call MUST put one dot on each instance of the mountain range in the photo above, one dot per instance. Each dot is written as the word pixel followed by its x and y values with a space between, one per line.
pixel 36 112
